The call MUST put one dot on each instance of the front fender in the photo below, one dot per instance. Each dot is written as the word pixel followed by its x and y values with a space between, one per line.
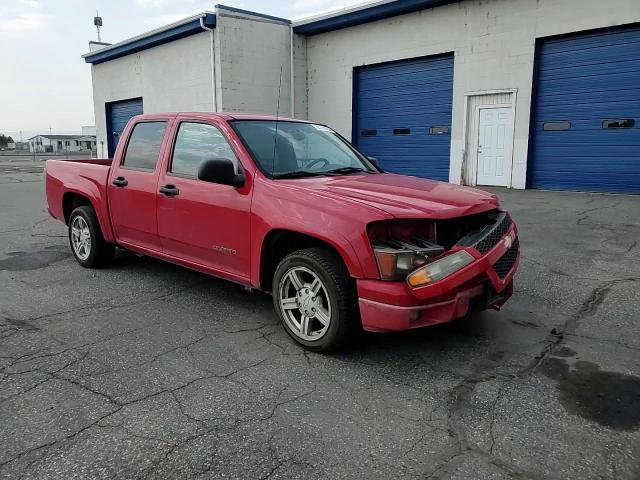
pixel 339 222
pixel 344 248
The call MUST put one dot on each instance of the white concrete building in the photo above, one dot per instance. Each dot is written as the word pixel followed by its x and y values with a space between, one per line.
pixel 514 93
pixel 62 143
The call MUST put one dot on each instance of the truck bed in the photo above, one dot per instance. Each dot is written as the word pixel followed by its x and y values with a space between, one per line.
pixel 88 177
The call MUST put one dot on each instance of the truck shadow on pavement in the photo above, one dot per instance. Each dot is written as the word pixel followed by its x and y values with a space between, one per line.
pixel 471 327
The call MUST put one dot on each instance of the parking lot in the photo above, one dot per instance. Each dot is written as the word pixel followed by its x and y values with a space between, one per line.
pixel 149 370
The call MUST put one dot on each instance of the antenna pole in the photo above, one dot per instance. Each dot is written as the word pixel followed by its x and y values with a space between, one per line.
pixel 275 138
pixel 97 21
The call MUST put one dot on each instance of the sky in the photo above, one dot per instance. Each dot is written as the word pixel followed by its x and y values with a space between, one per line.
pixel 45 85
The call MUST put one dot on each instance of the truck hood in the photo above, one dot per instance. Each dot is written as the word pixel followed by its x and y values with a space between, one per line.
pixel 402 196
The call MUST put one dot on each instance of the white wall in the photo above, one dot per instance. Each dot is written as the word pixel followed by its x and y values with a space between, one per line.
pixel 250 52
pixel 494 46
pixel 176 76
pixel 300 76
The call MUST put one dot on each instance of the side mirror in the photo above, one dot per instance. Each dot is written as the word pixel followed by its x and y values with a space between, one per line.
pixel 222 171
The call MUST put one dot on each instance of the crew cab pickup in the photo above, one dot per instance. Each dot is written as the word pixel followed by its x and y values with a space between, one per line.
pixel 291 208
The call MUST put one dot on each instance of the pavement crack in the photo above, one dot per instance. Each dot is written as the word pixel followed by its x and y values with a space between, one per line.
pixel 59 440
pixel 274 469
pixel 493 418
pixel 588 309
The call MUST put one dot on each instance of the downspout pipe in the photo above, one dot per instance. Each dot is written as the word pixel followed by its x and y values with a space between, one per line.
pixel 292 71
pixel 213 64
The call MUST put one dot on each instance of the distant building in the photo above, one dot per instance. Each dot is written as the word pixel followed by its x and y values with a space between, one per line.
pixel 62 143
pixel 22 146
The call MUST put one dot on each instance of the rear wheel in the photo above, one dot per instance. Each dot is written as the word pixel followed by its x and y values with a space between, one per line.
pixel 85 237
pixel 315 299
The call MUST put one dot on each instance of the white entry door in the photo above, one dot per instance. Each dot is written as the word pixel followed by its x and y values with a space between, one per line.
pixel 494 147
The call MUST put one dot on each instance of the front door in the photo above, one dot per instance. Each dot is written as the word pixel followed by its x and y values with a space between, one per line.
pixel 200 222
pixel 494 147
pixel 134 187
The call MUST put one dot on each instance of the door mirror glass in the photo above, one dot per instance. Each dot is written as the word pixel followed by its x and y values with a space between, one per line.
pixel 221 171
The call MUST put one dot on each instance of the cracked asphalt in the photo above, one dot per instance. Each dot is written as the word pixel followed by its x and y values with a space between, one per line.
pixel 148 370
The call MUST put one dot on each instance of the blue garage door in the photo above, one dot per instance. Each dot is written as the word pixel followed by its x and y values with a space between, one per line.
pixel 403 115
pixel 587 113
pixel 118 114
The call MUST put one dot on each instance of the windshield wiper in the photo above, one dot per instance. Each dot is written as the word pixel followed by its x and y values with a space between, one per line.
pixel 307 173
pixel 297 174
pixel 346 170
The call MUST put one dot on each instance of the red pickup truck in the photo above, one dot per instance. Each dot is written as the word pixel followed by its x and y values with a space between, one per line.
pixel 291 208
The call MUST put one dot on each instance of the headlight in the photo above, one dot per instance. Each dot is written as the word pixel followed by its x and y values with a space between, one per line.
pixel 396 264
pixel 439 269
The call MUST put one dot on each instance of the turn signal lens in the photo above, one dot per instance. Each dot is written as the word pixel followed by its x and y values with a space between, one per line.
pixel 387 263
pixel 419 277
pixel 433 272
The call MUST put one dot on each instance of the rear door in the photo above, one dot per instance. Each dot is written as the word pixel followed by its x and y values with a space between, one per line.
pixel 134 185
pixel 200 222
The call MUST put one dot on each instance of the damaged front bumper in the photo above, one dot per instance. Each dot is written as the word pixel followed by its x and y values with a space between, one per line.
pixel 485 283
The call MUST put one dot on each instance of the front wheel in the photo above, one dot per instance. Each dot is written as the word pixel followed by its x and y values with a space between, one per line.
pixel 315 299
pixel 87 243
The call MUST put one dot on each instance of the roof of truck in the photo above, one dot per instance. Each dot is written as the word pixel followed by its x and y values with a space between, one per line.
pixel 224 115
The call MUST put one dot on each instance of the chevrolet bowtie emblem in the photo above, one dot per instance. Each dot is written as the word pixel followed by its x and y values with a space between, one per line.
pixel 508 242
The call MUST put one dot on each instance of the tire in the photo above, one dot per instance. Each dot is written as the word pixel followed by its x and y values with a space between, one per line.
pixel 95 252
pixel 334 299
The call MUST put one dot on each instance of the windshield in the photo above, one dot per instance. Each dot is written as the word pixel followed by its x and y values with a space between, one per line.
pixel 299 149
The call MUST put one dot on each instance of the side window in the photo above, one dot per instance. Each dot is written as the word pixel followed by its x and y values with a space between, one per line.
pixel 144 146
pixel 195 143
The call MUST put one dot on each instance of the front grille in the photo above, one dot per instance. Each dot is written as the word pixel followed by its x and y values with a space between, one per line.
pixel 492 238
pixel 504 265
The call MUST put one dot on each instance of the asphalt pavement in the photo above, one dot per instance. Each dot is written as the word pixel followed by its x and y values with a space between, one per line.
pixel 149 370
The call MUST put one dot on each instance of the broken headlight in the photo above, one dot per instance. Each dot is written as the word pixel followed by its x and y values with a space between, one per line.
pixel 397 258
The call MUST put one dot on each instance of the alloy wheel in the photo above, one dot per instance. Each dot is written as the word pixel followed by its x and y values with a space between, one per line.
pixel 304 303
pixel 80 238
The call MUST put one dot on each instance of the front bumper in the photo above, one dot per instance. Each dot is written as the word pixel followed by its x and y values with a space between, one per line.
pixel 485 283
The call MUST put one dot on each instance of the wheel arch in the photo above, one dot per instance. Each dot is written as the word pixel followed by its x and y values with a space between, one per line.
pixel 72 199
pixel 278 243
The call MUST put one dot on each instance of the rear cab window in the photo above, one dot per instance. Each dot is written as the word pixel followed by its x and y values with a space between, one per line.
pixel 196 143
pixel 143 148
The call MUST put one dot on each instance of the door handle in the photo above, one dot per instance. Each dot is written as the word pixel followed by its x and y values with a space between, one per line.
pixel 120 182
pixel 170 190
